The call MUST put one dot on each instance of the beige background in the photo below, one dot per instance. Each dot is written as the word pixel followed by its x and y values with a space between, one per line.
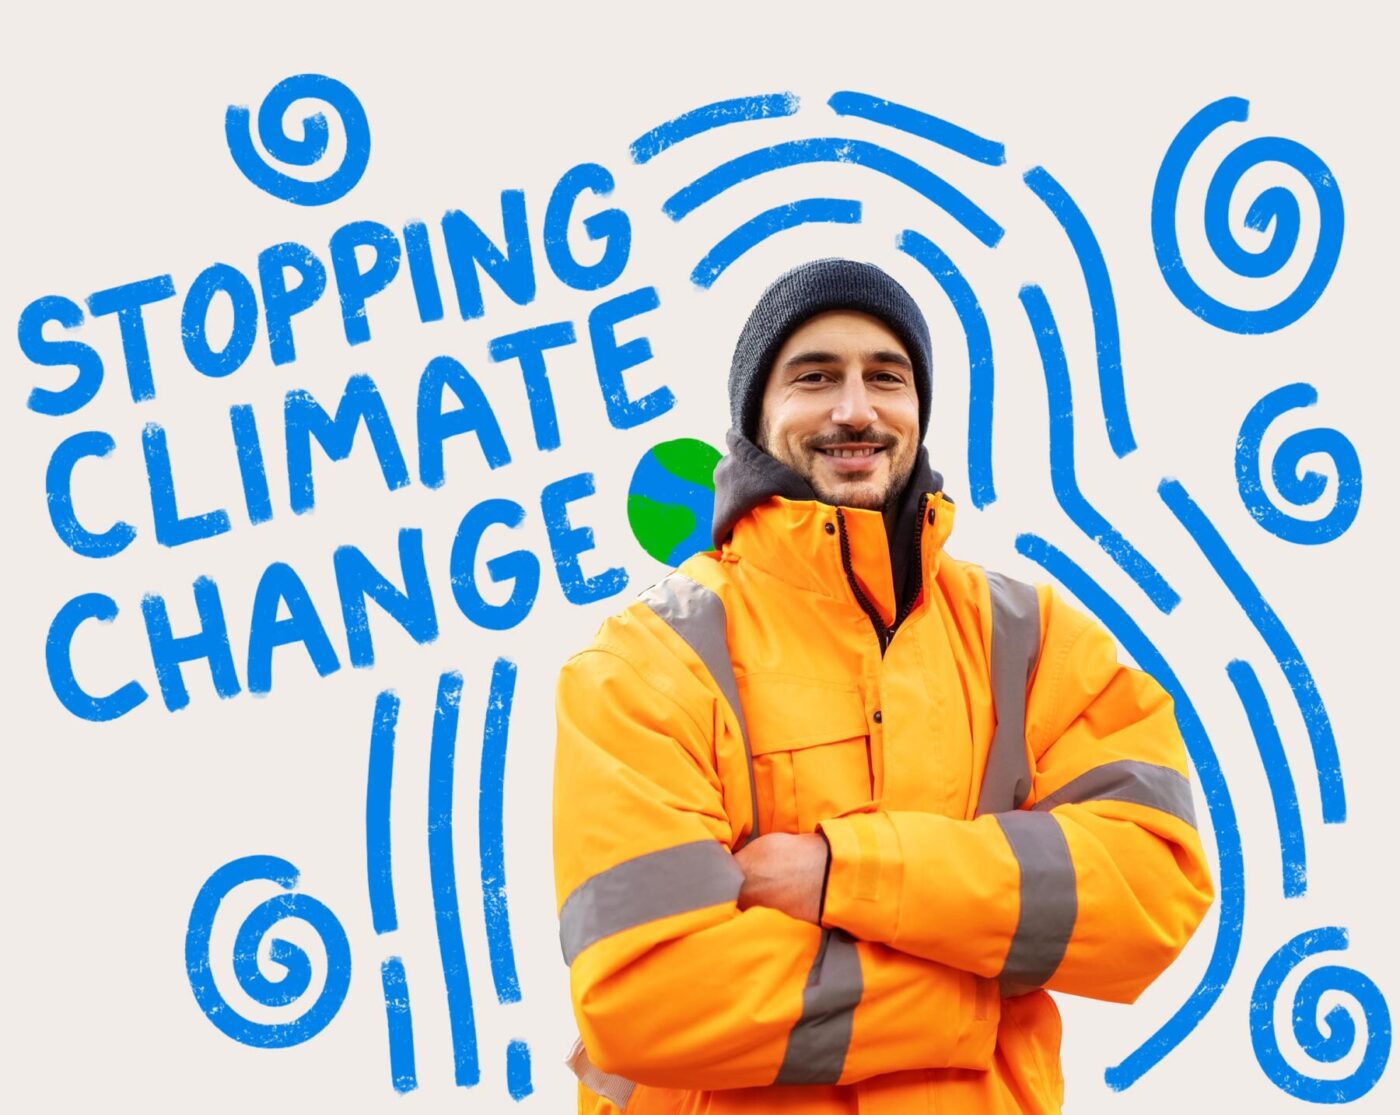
pixel 118 170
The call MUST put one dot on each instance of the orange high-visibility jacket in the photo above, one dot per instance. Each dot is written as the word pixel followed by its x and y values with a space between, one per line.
pixel 1007 809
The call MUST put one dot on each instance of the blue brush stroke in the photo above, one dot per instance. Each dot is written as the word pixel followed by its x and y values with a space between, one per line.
pixel 857 152
pixel 1300 489
pixel 1327 1038
pixel 922 124
pixel 717 115
pixel 1101 305
pixel 518 1081
pixel 1279 641
pixel 982 379
pixel 443 873
pixel 379 790
pixel 832 210
pixel 1274 206
pixel 1062 477
pixel 491 831
pixel 399 1014
pixel 1213 785
pixel 1281 788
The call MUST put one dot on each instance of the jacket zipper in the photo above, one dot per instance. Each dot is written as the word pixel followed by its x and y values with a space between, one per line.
pixel 882 633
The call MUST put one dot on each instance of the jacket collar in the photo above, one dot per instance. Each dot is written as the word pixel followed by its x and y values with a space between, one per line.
pixel 768 514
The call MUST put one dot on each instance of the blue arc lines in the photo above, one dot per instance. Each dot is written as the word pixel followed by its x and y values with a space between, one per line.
pixel 1062 476
pixel 982 383
pixel 491 831
pixel 378 795
pixel 1213 785
pixel 1101 305
pixel 1281 788
pixel 737 110
pixel 1278 640
pixel 831 210
pixel 858 152
pixel 922 124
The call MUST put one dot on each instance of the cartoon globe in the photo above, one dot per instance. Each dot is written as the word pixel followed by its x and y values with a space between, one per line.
pixel 671 500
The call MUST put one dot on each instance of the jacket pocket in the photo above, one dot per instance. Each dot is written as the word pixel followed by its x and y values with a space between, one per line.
pixel 811 751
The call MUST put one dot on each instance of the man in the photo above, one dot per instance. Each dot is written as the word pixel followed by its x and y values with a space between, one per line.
pixel 832 808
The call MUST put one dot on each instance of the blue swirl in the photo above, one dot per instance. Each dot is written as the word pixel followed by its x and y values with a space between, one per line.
pixel 1271 629
pixel 294 961
pixel 982 377
pixel 922 124
pixel 831 210
pixel 1327 1038
pixel 1299 488
pixel 1274 206
pixel 734 111
pixel 306 150
pixel 858 152
pixel 1062 472
pixel 1224 823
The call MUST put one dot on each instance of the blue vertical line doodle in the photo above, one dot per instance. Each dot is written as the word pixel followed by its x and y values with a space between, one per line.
pixel 915 122
pixel 1223 820
pixel 1102 306
pixel 1328 1045
pixel 982 381
pixel 1298 489
pixel 402 1067
pixel 1062 474
pixel 443 873
pixel 1275 207
pixel 296 965
pixel 491 831
pixel 379 866
pixel 857 152
pixel 1276 637
pixel 1281 787
pixel 306 150
pixel 830 210
pixel 518 1081
pixel 737 110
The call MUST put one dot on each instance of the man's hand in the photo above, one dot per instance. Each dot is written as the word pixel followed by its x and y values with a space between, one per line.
pixel 784 872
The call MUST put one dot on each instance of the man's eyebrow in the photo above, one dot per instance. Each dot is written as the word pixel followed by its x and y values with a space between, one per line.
pixel 875 356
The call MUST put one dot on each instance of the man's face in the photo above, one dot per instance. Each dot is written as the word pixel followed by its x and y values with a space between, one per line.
pixel 841 410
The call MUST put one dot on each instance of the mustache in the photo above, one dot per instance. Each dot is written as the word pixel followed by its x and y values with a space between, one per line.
pixel 865 437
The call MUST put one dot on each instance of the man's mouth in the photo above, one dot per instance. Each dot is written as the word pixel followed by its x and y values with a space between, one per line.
pixel 852 451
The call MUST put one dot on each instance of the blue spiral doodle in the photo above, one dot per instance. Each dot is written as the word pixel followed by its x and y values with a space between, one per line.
pixel 1299 488
pixel 1275 206
pixel 294 961
pixel 305 151
pixel 1327 1038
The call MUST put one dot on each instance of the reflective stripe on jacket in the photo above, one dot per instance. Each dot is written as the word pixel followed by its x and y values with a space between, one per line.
pixel 1006 805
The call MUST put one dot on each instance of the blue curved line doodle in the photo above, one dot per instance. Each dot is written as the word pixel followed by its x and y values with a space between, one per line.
pixel 518 1082
pixel 379 789
pixel 402 1065
pixel 491 831
pixel 982 378
pixel 812 210
pixel 857 152
pixel 1281 788
pixel 1298 488
pixel 1102 306
pixel 1278 640
pixel 443 874
pixel 922 124
pixel 1062 475
pixel 293 960
pixel 1335 1036
pixel 733 111
pixel 1224 823
pixel 1275 206
pixel 305 151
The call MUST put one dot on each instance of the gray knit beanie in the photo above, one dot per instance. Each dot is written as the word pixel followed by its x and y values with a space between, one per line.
pixel 804 292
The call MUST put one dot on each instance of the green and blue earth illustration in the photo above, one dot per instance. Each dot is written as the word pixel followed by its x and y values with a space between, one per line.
pixel 671 500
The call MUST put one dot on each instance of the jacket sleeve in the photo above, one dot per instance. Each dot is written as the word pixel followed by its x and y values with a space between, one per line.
pixel 1092 887
pixel 672 985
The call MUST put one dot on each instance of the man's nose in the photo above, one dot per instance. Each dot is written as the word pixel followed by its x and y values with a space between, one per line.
pixel 854 406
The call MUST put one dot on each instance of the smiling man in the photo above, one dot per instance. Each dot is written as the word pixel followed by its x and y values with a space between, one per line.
pixel 833 809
